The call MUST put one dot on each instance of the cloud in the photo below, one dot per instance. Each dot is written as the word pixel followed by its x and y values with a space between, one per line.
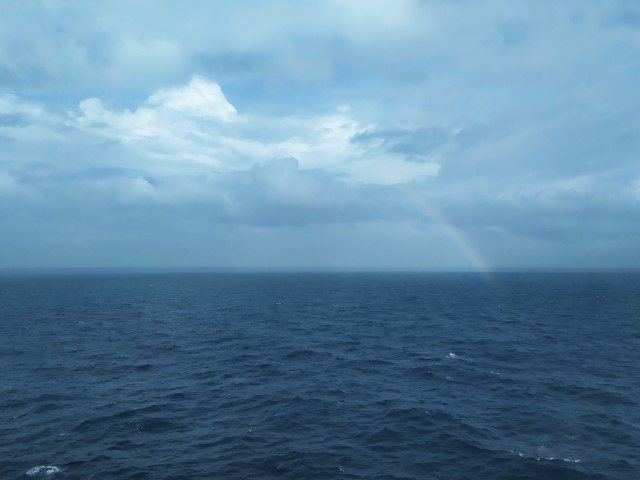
pixel 187 147
pixel 199 98
pixel 196 123
pixel 167 115
pixel 27 121
pixel 418 144
pixel 289 122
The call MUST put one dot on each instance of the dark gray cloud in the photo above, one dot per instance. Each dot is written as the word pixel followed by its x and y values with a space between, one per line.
pixel 415 144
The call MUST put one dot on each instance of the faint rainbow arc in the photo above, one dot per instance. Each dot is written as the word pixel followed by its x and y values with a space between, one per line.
pixel 455 234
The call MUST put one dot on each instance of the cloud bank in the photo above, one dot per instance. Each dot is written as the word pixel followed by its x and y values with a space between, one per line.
pixel 285 134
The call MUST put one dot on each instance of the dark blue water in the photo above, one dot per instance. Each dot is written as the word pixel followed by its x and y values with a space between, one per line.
pixel 301 376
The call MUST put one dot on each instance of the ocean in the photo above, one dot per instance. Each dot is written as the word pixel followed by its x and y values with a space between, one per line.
pixel 320 376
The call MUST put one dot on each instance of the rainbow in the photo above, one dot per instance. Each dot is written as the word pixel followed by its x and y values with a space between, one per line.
pixel 455 234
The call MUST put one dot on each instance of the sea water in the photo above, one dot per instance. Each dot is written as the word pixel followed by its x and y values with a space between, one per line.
pixel 319 376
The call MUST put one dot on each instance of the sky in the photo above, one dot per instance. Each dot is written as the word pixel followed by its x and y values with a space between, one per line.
pixel 378 134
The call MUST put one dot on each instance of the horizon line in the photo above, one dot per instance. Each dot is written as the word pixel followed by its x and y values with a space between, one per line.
pixel 310 269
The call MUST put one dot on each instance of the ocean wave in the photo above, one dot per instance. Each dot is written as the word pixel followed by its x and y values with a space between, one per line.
pixel 301 354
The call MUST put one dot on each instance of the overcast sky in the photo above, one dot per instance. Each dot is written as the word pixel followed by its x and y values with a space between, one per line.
pixel 378 134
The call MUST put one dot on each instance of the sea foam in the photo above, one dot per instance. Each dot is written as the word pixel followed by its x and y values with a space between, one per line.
pixel 43 470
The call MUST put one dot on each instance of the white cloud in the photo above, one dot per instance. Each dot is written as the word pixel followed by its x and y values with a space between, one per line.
pixel 199 98
pixel 168 114
pixel 126 126
pixel 195 123
pixel 9 104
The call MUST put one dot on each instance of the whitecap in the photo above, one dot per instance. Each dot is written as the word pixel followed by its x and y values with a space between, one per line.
pixel 568 460
pixel 551 459
pixel 43 470
pixel 452 355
